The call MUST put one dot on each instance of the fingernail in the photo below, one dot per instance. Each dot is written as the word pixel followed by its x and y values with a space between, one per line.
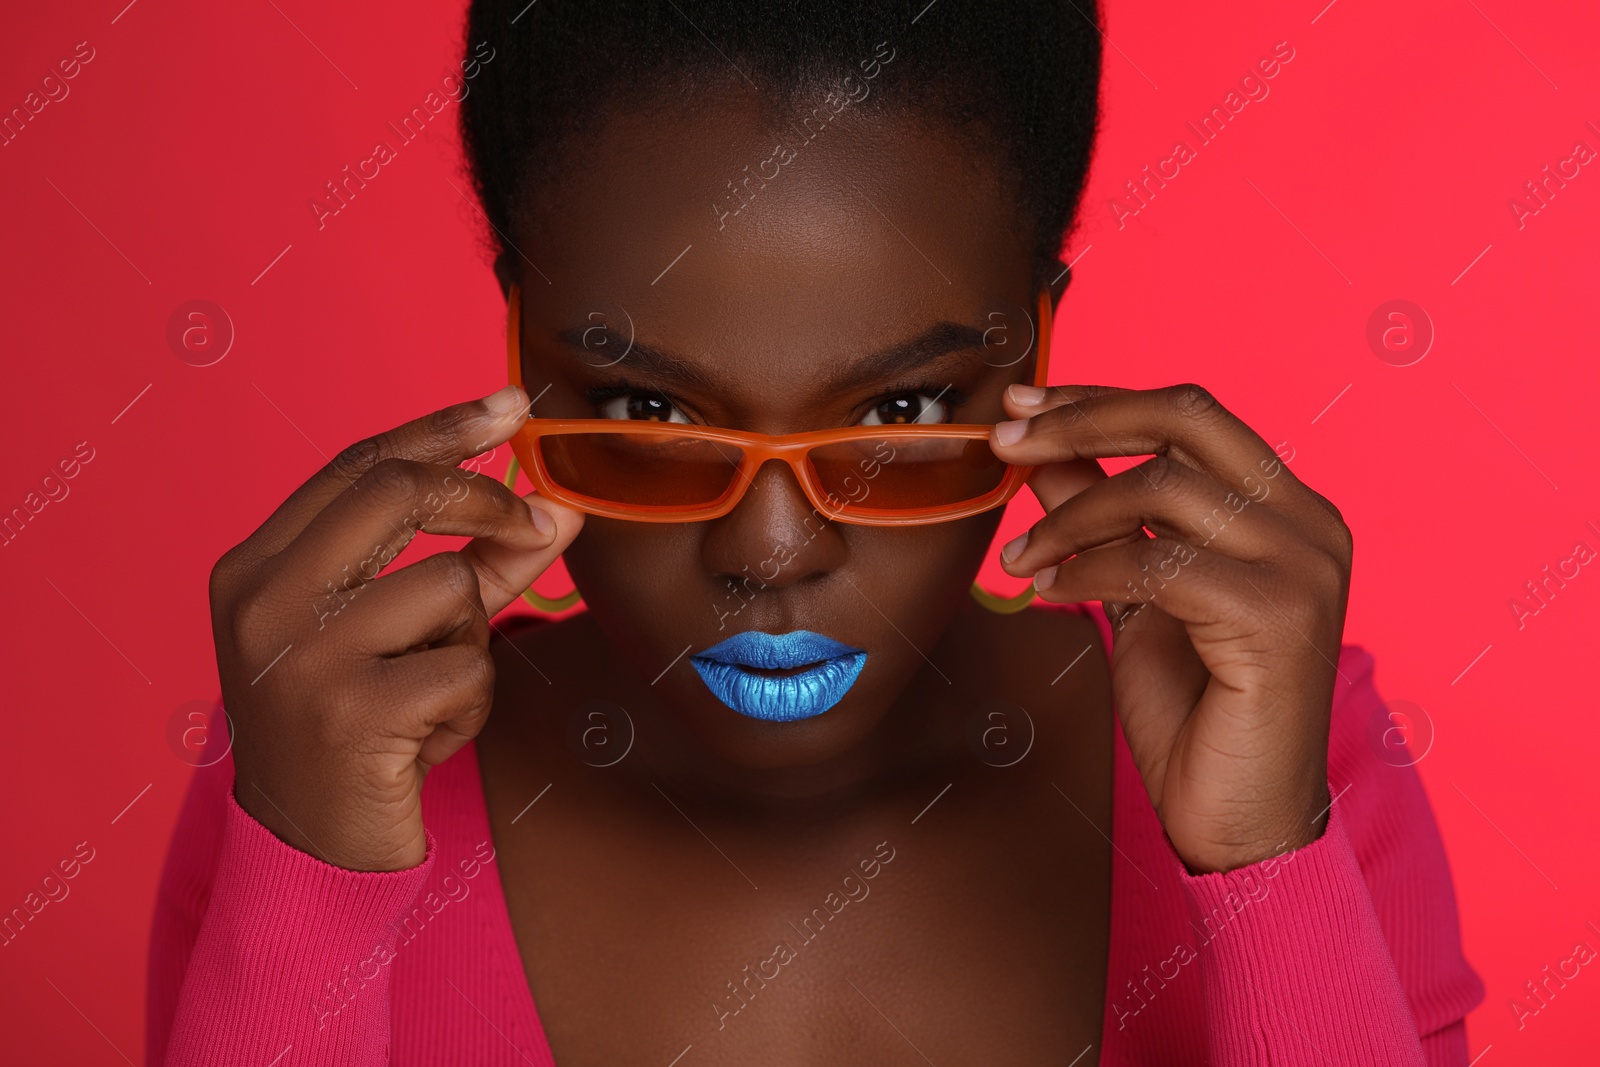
pixel 1027 394
pixel 1013 548
pixel 1044 579
pixel 1009 433
pixel 507 401
pixel 542 520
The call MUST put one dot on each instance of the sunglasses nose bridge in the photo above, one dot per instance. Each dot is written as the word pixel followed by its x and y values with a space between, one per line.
pixel 795 459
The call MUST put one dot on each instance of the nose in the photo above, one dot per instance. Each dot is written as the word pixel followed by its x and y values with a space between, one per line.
pixel 774 537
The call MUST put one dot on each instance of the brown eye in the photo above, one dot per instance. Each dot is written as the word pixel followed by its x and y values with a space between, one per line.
pixel 643 406
pixel 907 408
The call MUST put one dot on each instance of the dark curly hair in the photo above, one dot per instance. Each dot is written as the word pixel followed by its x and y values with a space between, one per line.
pixel 1019 78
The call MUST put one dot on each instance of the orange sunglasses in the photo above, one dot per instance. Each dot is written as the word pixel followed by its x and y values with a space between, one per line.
pixel 651 471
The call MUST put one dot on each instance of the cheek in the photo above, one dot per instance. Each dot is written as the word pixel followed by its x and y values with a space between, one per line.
pixel 634 568
pixel 910 584
pixel 920 566
pixel 642 585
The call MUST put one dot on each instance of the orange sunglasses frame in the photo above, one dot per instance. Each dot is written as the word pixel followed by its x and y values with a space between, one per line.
pixel 757 449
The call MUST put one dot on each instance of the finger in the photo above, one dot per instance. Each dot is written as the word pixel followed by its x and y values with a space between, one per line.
pixel 1182 421
pixel 1154 704
pixel 1025 401
pixel 448 694
pixel 448 436
pixel 1164 496
pixel 505 571
pixel 432 602
pixel 474 625
pixel 1201 589
pixel 372 521
pixel 1055 483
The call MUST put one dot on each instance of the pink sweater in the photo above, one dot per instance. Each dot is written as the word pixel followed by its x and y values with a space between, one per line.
pixel 1346 951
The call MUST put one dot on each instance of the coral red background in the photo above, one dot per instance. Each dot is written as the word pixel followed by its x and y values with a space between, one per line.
pixel 1379 167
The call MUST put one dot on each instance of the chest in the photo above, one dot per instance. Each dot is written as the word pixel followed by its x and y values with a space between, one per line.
pixel 979 933
pixel 966 919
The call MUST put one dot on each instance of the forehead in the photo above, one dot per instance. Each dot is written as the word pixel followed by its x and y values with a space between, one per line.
pixel 722 225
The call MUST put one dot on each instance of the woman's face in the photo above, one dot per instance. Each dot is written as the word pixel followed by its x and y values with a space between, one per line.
pixel 768 304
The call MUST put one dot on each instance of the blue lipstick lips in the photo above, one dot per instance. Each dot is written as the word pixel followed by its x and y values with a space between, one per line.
pixel 726 669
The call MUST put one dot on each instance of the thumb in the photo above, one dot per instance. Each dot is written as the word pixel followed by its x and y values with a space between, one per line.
pixel 505 572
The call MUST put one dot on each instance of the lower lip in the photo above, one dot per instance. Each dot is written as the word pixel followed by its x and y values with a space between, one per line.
pixel 785 698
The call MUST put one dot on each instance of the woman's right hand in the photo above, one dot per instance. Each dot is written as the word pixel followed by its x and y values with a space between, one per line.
pixel 344 687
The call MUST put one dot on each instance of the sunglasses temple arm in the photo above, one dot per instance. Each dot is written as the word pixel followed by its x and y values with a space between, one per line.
pixel 1041 365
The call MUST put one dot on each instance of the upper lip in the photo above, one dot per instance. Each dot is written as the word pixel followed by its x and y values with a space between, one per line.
pixel 752 648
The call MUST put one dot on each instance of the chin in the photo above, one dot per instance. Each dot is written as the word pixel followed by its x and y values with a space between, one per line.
pixel 744 741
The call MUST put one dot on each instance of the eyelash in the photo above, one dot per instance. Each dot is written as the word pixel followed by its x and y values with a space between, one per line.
pixel 951 397
pixel 601 393
pixel 947 394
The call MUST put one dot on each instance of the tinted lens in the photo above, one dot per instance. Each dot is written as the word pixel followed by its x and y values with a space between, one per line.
pixel 905 473
pixel 642 469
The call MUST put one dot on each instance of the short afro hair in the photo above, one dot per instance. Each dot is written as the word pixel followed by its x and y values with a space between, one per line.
pixel 1023 76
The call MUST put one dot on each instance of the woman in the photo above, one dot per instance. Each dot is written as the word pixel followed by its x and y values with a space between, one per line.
pixel 785 792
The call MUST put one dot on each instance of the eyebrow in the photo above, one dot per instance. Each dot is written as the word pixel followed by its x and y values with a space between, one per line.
pixel 935 343
pixel 646 359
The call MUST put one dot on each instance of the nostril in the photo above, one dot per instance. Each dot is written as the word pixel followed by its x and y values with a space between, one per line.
pixel 773 538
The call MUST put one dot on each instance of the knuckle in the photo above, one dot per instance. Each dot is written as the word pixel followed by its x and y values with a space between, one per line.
pixel 458 575
pixel 1164 554
pixel 480 678
pixel 1068 412
pixel 1344 542
pixel 503 506
pixel 391 482
pixel 1328 572
pixel 494 578
pixel 1074 411
pixel 1192 401
pixel 1340 535
pixel 1163 473
pixel 1149 552
pixel 445 426
pixel 355 460
pixel 254 617
pixel 226 573
pixel 471 671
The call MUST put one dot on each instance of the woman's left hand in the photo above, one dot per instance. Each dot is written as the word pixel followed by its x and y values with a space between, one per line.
pixel 1228 621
